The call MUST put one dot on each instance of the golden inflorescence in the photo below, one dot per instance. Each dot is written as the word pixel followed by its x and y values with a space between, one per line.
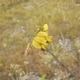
pixel 42 38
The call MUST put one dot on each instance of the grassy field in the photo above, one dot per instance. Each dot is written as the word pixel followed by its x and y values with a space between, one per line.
pixel 19 23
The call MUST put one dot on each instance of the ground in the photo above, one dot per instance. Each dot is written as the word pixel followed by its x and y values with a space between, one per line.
pixel 19 23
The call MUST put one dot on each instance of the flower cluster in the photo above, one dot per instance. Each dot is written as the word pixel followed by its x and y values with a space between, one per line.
pixel 42 38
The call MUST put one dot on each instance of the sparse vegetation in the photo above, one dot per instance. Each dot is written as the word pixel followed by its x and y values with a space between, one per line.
pixel 19 24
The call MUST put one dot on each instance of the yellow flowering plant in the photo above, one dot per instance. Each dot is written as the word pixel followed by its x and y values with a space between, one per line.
pixel 42 38
pixel 41 41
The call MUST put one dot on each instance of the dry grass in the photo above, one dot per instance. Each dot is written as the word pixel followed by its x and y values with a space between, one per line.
pixel 18 26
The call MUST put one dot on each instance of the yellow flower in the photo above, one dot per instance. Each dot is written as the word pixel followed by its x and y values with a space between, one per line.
pixel 45 35
pixel 36 44
pixel 42 39
pixel 39 43
pixel 49 38
pixel 42 34
pixel 45 27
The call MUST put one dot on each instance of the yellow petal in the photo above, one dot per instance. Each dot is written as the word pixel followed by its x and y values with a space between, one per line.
pixel 39 43
pixel 36 44
pixel 42 34
pixel 45 27
pixel 43 47
pixel 40 40
pixel 49 38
